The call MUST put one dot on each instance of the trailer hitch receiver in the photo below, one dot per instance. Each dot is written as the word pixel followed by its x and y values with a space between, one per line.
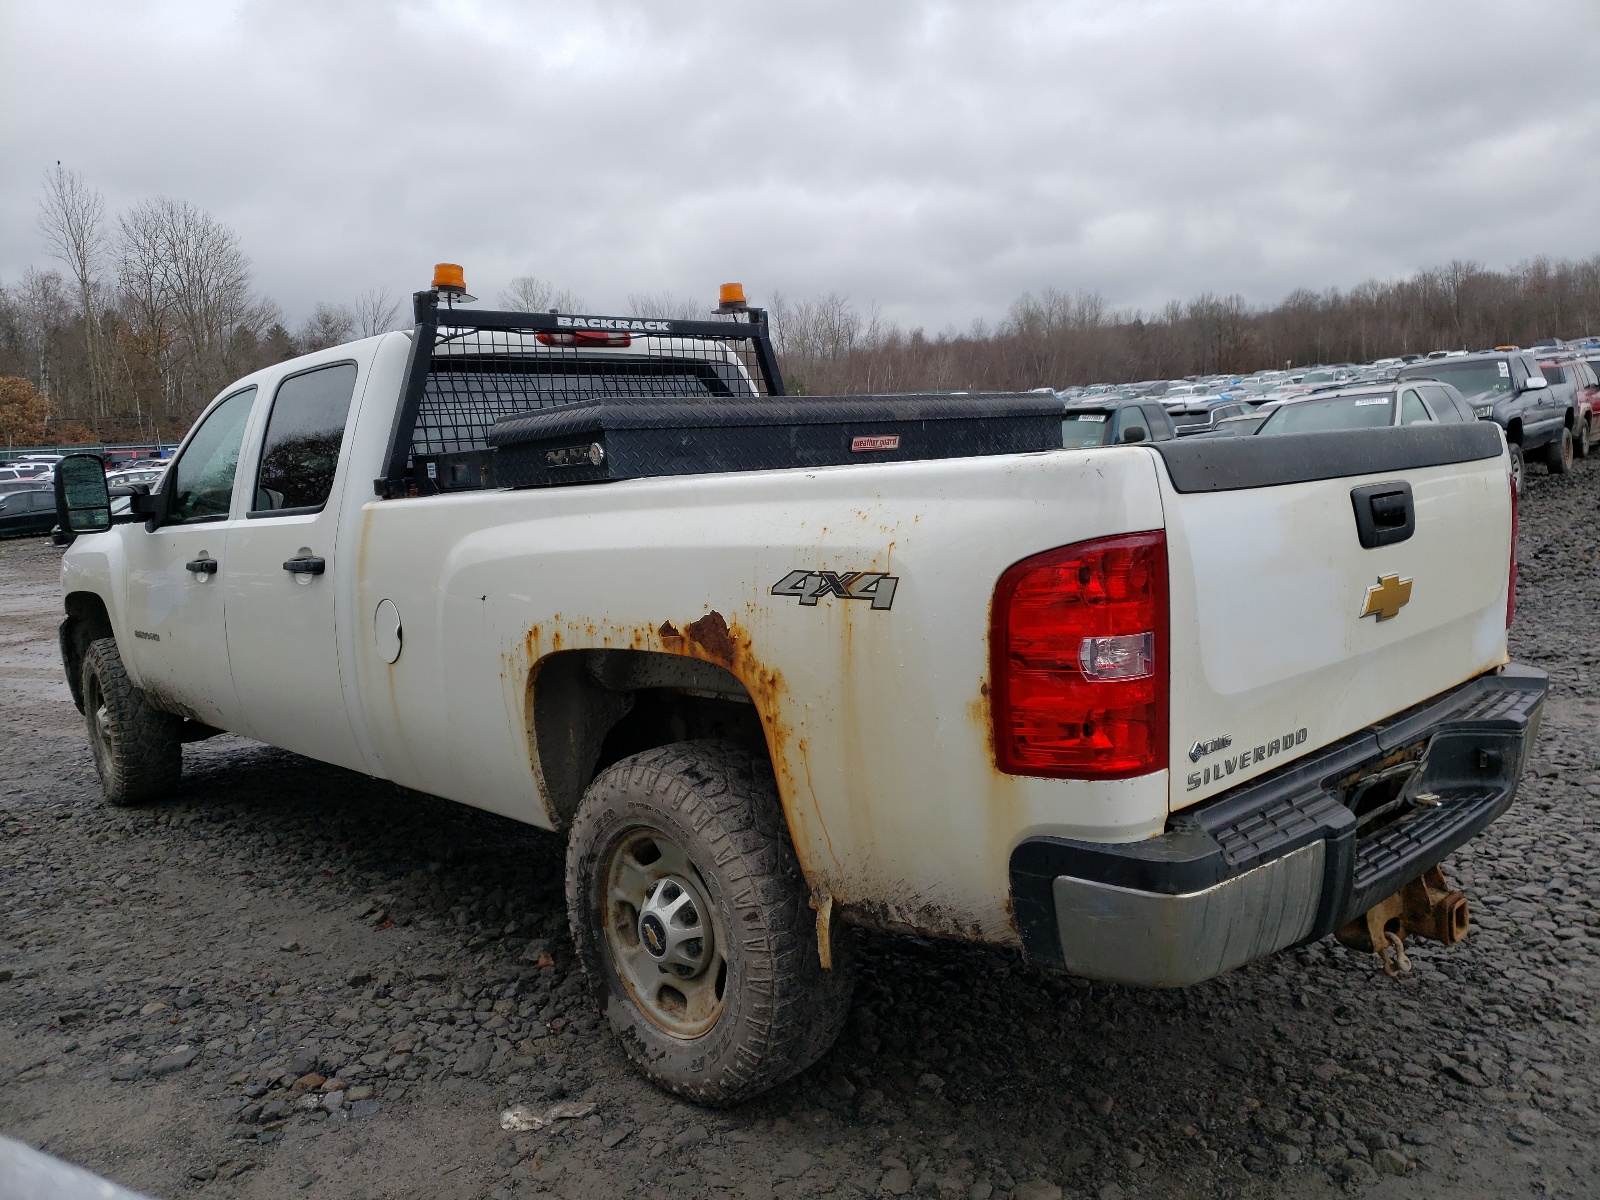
pixel 1427 907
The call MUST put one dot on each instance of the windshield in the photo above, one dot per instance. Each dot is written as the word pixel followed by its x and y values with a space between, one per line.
pixel 1474 378
pixel 1081 430
pixel 1319 416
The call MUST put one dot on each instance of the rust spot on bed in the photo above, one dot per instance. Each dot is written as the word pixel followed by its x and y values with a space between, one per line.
pixel 710 633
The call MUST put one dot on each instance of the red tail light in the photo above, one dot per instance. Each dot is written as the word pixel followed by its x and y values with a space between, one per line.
pixel 1511 580
pixel 1078 661
pixel 585 337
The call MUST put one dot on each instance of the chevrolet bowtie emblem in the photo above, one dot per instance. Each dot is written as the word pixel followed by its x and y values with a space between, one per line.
pixel 1387 597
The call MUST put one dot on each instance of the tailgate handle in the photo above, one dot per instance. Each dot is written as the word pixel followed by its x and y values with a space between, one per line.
pixel 1385 513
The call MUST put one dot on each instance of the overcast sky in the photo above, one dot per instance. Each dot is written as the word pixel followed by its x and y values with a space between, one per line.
pixel 939 159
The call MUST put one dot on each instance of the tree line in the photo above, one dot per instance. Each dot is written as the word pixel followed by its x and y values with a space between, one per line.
pixel 1056 339
pixel 146 313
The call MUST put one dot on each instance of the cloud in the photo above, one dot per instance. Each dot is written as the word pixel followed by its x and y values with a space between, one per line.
pixel 937 158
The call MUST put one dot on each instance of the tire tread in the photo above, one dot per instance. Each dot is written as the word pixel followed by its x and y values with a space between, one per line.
pixel 793 1009
pixel 146 755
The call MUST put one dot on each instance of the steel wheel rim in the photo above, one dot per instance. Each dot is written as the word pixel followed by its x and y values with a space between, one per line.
pixel 652 892
pixel 94 703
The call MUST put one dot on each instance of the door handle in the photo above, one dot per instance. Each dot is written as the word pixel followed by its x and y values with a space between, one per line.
pixel 306 564
pixel 201 566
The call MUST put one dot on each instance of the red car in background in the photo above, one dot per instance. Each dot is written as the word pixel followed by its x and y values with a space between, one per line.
pixel 1563 368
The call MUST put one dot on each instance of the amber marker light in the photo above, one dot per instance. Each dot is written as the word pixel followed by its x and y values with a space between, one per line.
pixel 730 298
pixel 449 277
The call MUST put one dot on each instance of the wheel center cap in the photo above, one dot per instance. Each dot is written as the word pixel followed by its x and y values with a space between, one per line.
pixel 653 934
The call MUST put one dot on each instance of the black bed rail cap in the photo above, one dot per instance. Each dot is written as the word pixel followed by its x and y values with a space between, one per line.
pixel 1236 463
pixel 618 413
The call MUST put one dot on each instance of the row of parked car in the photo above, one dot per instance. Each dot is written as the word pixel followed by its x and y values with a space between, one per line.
pixel 27 488
pixel 1547 399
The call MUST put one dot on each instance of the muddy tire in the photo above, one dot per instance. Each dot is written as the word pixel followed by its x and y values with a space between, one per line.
pixel 691 919
pixel 136 749
pixel 1558 454
pixel 1580 439
pixel 1519 467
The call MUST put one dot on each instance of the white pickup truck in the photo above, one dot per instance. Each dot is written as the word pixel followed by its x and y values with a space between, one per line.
pixel 779 666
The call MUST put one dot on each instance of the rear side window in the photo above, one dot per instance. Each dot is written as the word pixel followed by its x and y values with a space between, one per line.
pixel 1131 418
pixel 1555 373
pixel 1161 426
pixel 1412 410
pixel 1446 404
pixel 304 434
pixel 201 481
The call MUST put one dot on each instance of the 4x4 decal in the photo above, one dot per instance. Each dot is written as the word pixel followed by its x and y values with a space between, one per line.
pixel 807 586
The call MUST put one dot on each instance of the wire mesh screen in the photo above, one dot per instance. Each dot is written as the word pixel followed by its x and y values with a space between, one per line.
pixel 480 376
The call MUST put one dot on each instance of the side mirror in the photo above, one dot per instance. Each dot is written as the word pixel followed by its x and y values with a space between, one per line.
pixel 1534 382
pixel 83 501
pixel 1132 435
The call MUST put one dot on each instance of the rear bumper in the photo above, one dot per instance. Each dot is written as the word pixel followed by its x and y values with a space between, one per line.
pixel 1279 860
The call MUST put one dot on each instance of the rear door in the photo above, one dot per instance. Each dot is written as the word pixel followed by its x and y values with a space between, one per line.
pixel 1286 632
pixel 177 644
pixel 1542 414
pixel 283 556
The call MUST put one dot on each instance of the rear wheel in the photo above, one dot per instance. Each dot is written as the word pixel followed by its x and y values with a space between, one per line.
pixel 691 918
pixel 1558 454
pixel 1519 467
pixel 137 753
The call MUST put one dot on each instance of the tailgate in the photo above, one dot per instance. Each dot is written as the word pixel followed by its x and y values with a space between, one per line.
pixel 1288 633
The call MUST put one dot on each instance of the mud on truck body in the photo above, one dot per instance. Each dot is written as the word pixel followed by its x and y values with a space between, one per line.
pixel 783 666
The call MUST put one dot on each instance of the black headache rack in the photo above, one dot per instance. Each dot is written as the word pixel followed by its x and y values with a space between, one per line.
pixel 471 368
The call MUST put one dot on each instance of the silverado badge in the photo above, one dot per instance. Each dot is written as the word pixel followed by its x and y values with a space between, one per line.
pixel 1387 597
pixel 807 586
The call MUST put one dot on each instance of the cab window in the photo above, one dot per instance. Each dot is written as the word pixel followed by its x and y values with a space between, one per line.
pixel 304 433
pixel 201 480
pixel 1079 431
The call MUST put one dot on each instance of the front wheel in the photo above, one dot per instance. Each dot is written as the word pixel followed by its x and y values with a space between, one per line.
pixel 137 753
pixel 1519 467
pixel 1580 439
pixel 1558 454
pixel 691 919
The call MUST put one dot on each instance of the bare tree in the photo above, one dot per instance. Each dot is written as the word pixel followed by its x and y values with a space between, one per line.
pixel 376 312
pixel 72 222
pixel 665 306
pixel 186 289
pixel 528 293
pixel 210 290
pixel 328 325
pixel 145 294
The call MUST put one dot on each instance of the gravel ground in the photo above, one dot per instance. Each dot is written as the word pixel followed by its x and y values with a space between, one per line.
pixel 291 978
